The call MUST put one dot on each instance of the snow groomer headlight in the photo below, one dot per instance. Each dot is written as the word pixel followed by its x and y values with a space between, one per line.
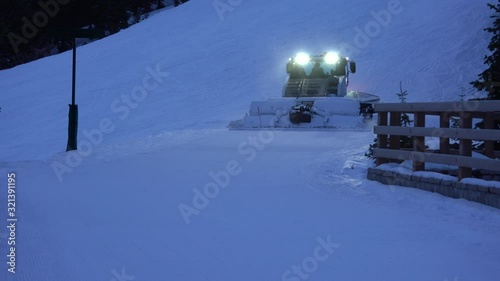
pixel 331 58
pixel 302 58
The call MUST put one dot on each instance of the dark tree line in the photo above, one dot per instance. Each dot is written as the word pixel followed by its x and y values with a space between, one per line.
pixel 25 24
pixel 489 79
pixel 178 2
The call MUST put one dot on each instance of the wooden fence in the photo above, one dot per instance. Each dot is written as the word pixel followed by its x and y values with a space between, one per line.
pixel 389 132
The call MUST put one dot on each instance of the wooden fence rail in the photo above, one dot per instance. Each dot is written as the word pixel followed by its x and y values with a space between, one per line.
pixel 389 132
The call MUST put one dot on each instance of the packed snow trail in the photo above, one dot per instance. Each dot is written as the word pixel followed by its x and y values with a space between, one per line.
pixel 114 212
pixel 293 189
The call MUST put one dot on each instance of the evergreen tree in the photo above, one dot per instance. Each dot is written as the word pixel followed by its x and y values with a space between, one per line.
pixel 489 79
pixel 405 141
pixel 160 5
pixel 404 121
pixel 109 15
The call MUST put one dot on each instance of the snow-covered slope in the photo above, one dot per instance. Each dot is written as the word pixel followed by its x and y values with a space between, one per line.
pixel 216 67
pixel 280 205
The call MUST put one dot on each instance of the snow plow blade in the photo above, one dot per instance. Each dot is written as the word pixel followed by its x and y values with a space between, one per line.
pixel 315 96
pixel 311 113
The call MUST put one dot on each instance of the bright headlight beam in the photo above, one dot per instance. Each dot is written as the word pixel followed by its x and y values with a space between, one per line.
pixel 302 58
pixel 331 58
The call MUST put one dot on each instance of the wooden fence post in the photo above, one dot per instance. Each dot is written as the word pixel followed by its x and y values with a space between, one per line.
pixel 389 132
pixel 382 139
pixel 395 120
pixel 419 142
pixel 465 147
pixel 489 145
pixel 444 142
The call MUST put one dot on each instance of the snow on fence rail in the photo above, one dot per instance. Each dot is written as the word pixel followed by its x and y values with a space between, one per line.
pixel 389 131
